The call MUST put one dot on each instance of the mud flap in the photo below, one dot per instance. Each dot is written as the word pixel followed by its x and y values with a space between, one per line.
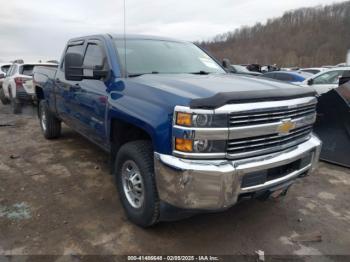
pixel 333 125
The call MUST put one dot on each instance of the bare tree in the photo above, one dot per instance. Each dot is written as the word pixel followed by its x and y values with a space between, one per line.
pixel 303 37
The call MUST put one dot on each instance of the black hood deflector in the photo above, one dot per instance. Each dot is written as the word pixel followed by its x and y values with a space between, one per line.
pixel 221 99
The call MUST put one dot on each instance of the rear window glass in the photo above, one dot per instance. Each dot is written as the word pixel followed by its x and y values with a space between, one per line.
pixel 26 70
pixel 270 75
pixel 284 77
pixel 312 71
pixel 5 68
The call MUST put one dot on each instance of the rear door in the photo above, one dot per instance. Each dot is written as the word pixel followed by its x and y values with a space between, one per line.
pixel 92 93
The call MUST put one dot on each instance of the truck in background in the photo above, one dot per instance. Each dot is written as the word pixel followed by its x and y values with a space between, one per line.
pixel 184 135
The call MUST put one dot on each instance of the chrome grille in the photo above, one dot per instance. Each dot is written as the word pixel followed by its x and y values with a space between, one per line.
pixel 245 147
pixel 271 116
pixel 256 129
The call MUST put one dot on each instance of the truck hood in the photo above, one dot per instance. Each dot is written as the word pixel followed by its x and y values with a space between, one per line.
pixel 214 90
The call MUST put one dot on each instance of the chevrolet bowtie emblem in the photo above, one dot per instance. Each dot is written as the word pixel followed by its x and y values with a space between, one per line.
pixel 285 127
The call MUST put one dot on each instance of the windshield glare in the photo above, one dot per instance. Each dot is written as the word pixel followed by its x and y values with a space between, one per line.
pixel 167 57
pixel 241 69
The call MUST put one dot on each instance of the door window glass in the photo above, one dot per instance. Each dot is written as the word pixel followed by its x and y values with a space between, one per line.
pixel 5 68
pixel 94 56
pixel 328 78
pixel 26 70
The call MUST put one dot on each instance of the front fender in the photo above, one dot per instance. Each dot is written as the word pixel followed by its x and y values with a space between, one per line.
pixel 154 119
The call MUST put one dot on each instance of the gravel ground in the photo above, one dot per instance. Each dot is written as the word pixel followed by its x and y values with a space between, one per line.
pixel 57 197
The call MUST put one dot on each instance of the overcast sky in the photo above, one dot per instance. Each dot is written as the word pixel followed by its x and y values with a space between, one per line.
pixel 39 29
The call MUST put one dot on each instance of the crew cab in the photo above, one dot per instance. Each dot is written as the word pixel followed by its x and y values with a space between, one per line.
pixel 184 135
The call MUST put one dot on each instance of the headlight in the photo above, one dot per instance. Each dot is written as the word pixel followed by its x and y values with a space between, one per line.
pixel 200 120
pixel 200 145
pixel 199 133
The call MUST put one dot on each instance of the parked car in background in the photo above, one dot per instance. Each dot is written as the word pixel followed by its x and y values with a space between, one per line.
pixel 341 65
pixel 290 68
pixel 313 70
pixel 327 80
pixel 183 135
pixel 18 84
pixel 290 77
pixel 238 69
pixel 4 67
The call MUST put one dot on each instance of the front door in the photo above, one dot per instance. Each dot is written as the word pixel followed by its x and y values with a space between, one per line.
pixel 91 95
pixel 66 92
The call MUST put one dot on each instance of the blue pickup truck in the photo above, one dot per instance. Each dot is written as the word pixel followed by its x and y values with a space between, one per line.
pixel 184 135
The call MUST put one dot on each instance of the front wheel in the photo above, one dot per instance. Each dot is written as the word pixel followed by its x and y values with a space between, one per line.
pixel 136 182
pixel 50 124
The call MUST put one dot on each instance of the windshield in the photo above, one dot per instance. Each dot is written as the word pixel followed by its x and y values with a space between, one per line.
pixel 164 57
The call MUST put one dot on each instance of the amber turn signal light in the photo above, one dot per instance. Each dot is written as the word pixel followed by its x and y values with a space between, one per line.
pixel 183 119
pixel 184 145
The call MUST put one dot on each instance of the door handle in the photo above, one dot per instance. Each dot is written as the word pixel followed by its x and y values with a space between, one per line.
pixel 57 81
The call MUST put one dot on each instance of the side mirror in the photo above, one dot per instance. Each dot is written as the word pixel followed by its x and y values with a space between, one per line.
pixel 96 72
pixel 2 76
pixel 226 63
pixel 73 69
pixel 310 82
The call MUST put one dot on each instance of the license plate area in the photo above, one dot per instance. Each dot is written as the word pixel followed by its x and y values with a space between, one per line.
pixel 262 176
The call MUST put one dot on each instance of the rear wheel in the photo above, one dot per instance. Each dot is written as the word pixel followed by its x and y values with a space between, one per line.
pixel 50 124
pixel 3 98
pixel 136 182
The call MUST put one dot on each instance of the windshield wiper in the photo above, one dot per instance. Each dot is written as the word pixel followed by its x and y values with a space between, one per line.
pixel 201 72
pixel 140 74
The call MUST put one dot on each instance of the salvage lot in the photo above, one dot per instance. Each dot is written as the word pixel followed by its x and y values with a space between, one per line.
pixel 57 197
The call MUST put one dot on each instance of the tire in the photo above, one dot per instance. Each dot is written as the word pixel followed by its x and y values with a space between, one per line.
pixel 139 154
pixel 16 105
pixel 3 98
pixel 50 124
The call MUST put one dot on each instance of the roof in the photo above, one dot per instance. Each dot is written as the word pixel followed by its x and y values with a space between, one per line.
pixel 128 37
pixel 313 68
pixel 35 63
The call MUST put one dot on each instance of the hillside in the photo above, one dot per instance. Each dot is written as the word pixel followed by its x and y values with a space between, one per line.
pixel 303 37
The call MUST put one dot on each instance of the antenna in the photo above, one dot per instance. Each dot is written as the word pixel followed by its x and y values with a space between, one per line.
pixel 126 70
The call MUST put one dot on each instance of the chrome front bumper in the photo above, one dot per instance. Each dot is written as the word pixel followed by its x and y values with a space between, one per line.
pixel 216 184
